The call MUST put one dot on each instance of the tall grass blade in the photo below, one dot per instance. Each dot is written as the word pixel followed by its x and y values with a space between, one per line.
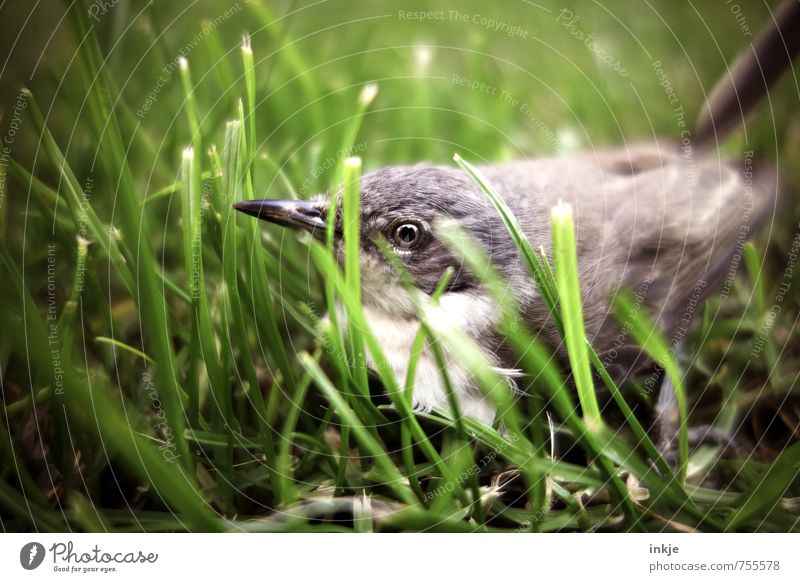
pixel 648 336
pixel 569 294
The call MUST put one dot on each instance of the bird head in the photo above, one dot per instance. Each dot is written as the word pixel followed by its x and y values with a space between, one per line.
pixel 403 205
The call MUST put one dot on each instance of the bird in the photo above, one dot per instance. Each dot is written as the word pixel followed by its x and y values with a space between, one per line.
pixel 665 219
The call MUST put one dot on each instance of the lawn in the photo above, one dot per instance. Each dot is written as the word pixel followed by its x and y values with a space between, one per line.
pixel 166 363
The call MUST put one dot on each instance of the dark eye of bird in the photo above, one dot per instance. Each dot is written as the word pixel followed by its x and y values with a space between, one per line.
pixel 407 234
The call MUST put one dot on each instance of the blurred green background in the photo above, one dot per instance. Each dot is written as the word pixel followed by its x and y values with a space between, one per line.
pixel 492 81
pixel 312 58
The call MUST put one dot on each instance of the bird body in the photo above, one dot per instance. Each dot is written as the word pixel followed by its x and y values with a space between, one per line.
pixel 647 220
pixel 664 220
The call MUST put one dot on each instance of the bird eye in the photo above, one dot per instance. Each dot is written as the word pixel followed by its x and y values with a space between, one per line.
pixel 407 235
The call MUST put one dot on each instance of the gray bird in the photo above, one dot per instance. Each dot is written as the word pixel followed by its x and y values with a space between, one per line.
pixel 665 220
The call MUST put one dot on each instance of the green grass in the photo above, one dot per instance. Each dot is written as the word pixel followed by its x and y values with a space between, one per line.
pixel 166 363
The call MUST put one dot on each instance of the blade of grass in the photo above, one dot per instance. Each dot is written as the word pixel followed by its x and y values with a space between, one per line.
pixel 250 92
pixel 370 444
pixel 147 294
pixel 648 336
pixel 533 263
pixel 468 250
pixel 569 295
pixel 438 326
pixel 351 223
pixel 764 494
pixel 461 444
pixel 202 331
pixel 295 62
pixel 543 276
pixel 325 263
pixel 92 407
pixel 756 273
pixel 190 105
pixel 233 168
pixel 77 203
pixel 262 310
pixel 125 347
pixel 357 373
pixel 408 391
pixel 282 464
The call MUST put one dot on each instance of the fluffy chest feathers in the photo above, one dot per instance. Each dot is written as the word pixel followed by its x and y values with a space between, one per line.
pixel 472 314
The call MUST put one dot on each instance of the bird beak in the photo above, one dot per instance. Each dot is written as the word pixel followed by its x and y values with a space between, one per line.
pixel 298 214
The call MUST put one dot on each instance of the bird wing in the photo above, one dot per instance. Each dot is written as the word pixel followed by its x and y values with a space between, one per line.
pixel 650 219
pixel 680 225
